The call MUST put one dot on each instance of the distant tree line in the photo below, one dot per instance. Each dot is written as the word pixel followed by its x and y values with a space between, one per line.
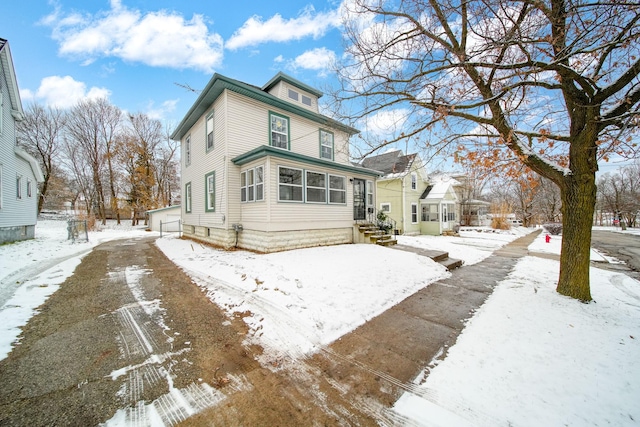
pixel 99 159
pixel 619 196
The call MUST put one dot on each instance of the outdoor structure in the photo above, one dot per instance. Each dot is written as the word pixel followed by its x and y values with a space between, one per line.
pixel 262 169
pixel 417 204
pixel 19 171
pixel 168 218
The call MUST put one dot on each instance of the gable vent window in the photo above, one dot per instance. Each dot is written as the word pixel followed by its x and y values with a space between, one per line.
pixel 306 100
pixel 293 95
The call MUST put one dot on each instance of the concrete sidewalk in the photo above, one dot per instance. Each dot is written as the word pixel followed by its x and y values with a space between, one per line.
pixel 384 355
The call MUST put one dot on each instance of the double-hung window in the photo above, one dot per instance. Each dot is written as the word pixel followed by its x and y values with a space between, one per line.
pixel 316 187
pixel 209 131
pixel 414 181
pixel 187 197
pixel 279 130
pixel 326 145
pixel 29 185
pixel 252 184
pixel 337 189
pixel 414 213
pixel 187 151
pixel 289 184
pixel 210 194
pixel 369 193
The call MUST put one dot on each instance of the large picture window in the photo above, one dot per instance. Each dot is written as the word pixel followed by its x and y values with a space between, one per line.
pixel 210 195
pixel 316 187
pixel 337 189
pixel 279 126
pixel 209 131
pixel 430 212
pixel 326 145
pixel 289 184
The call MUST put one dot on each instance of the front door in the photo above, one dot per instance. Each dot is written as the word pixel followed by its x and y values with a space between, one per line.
pixel 359 199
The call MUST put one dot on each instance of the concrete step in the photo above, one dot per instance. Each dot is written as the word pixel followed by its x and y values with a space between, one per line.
pixel 387 242
pixel 438 256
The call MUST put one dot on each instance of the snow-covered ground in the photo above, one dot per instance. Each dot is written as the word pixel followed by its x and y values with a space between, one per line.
pixel 528 357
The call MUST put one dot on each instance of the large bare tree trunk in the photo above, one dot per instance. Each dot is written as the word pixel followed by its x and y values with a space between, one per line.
pixel 578 203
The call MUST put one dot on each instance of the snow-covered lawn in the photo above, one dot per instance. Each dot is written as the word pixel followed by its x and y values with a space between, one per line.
pixel 528 357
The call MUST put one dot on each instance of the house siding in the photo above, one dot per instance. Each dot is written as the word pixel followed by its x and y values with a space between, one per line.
pixel 17 216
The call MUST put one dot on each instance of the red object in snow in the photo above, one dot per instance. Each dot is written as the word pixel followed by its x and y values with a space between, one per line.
pixel 547 238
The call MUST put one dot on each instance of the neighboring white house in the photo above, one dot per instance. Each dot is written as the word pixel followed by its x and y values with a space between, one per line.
pixel 19 172
pixel 262 169
pixel 439 205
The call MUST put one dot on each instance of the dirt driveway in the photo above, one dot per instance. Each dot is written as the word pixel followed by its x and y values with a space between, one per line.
pixel 130 339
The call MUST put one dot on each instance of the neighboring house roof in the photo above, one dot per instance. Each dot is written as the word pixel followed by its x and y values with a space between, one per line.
pixel 440 186
pixel 163 209
pixel 6 63
pixel 35 167
pixel 394 164
pixel 219 83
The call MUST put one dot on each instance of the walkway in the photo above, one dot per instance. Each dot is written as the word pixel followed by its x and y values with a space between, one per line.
pixel 382 357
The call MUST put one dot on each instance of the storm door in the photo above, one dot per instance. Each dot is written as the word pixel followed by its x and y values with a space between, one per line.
pixel 359 199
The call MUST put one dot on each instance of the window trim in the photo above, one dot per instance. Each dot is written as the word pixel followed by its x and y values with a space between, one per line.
pixel 187 151
pixel 301 186
pixel 333 143
pixel 288 121
pixel 307 187
pixel 388 205
pixel 187 197
pixel 207 131
pixel 341 190
pixel 208 194
pixel 414 205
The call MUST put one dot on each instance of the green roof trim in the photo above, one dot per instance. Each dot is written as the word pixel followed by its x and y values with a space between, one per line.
pixel 219 83
pixel 293 82
pixel 266 150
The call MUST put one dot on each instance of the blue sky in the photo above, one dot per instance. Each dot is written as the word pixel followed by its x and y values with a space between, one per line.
pixel 135 51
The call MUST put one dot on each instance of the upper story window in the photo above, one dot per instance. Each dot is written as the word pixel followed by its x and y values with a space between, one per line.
pixel 306 100
pixel 209 131
pixel 414 181
pixel 293 94
pixel 326 145
pixel 279 127
pixel 187 151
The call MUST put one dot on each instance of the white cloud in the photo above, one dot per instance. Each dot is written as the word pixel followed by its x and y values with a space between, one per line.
pixel 63 92
pixel 277 29
pixel 278 59
pixel 316 59
pixel 159 39
pixel 385 123
pixel 160 112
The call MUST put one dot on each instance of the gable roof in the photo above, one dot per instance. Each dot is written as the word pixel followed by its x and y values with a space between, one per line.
pixel 6 63
pixel 293 82
pixel 219 83
pixel 391 163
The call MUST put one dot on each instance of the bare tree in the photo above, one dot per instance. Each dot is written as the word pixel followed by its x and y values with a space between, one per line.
pixel 553 82
pixel 40 134
pixel 166 170
pixel 91 129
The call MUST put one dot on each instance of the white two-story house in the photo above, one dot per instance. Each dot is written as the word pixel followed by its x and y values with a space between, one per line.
pixel 262 169
pixel 19 171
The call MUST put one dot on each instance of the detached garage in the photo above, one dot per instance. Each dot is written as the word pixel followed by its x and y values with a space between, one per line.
pixel 168 217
